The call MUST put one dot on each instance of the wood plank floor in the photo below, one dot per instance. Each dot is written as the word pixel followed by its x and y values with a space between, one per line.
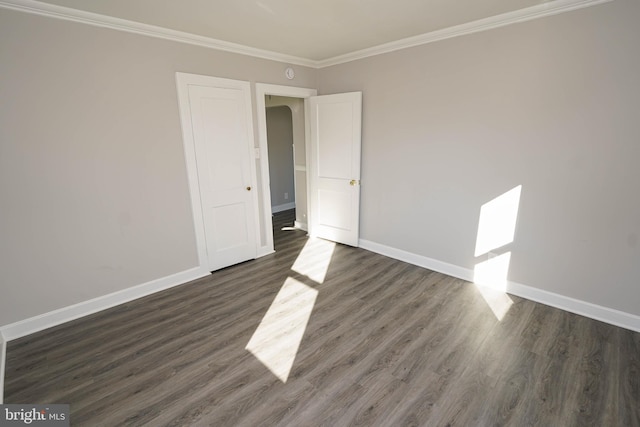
pixel 386 344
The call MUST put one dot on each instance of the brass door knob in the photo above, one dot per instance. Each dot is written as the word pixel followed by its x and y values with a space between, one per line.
pixel 354 182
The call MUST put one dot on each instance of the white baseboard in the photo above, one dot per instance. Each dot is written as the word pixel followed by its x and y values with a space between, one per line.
pixel 3 357
pixel 583 308
pixel 72 312
pixel 285 207
pixel 300 225
pixel 419 260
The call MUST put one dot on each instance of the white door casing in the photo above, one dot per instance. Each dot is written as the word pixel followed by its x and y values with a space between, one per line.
pixel 263 89
pixel 334 169
pixel 217 128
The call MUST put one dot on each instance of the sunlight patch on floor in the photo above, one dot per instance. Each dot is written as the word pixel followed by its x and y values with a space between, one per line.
pixel 314 259
pixel 498 301
pixel 276 340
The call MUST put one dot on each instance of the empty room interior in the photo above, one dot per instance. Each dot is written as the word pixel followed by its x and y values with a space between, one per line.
pixel 329 213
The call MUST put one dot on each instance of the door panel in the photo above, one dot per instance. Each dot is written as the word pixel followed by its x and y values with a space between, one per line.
pixel 335 126
pixel 335 121
pixel 224 161
pixel 223 157
pixel 335 208
pixel 229 222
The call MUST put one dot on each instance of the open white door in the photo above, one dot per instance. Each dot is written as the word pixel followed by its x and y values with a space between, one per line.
pixel 334 169
pixel 217 119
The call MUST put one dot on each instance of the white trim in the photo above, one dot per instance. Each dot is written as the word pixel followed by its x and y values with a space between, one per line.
pixel 419 260
pixel 85 308
pixel 104 21
pixel 497 21
pixel 263 89
pixel 300 168
pixel 300 225
pixel 583 308
pixel 98 20
pixel 307 153
pixel 3 364
pixel 285 207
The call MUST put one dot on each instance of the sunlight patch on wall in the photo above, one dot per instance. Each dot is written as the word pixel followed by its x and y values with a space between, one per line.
pixel 496 229
pixel 276 340
pixel 314 259
pixel 497 224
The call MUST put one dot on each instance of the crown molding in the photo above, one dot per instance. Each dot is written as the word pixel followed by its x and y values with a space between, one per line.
pixel 98 20
pixel 527 14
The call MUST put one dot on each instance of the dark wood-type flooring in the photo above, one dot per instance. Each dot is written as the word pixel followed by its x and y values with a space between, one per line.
pixel 387 344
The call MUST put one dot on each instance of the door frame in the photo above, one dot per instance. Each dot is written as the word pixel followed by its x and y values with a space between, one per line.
pixel 183 81
pixel 263 89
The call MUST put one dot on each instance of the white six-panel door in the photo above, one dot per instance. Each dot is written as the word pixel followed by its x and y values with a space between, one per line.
pixel 334 197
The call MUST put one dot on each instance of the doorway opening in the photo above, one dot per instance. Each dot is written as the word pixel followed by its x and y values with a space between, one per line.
pixel 283 139
pixel 287 158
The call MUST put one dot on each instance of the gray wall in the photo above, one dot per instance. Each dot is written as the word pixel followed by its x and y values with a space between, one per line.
pixel 552 105
pixel 280 142
pixel 93 182
pixel 92 173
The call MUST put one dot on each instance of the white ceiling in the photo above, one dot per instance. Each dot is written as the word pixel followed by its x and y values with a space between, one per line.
pixel 315 31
